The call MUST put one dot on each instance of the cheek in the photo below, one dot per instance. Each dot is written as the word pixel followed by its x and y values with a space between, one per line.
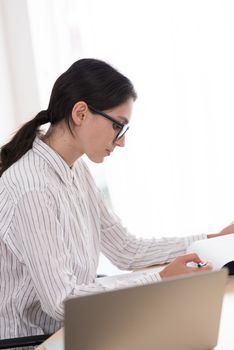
pixel 102 135
pixel 96 140
pixel 97 135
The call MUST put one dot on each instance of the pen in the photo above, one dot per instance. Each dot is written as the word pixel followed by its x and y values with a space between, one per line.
pixel 201 264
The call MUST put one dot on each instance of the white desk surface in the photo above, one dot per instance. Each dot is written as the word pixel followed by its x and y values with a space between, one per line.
pixel 226 333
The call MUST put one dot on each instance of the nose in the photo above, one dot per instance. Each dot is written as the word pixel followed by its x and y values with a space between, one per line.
pixel 120 142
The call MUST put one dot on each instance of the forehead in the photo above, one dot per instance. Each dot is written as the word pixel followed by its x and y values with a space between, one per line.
pixel 122 112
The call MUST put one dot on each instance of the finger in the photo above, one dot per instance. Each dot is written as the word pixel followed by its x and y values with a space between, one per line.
pixel 207 267
pixel 194 269
pixel 191 257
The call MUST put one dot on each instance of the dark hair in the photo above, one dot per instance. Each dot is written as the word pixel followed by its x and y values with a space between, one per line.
pixel 89 80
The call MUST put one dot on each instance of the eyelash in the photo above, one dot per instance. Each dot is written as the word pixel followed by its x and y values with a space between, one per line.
pixel 116 127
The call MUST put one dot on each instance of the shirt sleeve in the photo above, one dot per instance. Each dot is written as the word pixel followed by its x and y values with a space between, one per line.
pixel 128 252
pixel 6 211
pixel 40 240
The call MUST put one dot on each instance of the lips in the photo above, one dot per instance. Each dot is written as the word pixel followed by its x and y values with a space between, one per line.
pixel 108 151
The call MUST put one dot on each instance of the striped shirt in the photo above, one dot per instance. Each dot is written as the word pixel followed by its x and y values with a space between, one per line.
pixel 53 224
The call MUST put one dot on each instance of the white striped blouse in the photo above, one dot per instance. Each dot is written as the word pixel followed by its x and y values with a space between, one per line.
pixel 53 225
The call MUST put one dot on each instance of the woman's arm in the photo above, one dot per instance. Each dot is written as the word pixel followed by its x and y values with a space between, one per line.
pixel 128 252
pixel 226 231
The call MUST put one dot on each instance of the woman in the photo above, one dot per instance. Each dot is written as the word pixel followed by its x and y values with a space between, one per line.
pixel 53 219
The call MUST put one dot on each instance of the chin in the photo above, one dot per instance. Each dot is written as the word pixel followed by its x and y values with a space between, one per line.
pixel 96 159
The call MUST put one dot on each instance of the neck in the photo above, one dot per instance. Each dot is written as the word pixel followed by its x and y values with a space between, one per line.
pixel 61 140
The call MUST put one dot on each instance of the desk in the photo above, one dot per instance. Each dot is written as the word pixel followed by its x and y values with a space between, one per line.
pixel 226 333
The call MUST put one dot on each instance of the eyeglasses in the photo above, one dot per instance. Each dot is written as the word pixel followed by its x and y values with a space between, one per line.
pixel 120 128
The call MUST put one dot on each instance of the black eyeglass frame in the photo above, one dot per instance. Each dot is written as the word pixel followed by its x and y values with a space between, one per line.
pixel 124 127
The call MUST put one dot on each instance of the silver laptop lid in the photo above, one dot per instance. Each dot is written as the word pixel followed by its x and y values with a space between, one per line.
pixel 179 314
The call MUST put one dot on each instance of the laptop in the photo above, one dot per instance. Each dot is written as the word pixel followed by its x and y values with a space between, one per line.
pixel 178 313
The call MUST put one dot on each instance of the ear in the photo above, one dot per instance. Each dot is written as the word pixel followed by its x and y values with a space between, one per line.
pixel 79 112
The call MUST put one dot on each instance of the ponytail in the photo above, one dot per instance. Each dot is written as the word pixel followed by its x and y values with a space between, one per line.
pixel 22 141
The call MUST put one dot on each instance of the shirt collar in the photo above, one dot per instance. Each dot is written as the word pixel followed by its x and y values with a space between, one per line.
pixel 53 159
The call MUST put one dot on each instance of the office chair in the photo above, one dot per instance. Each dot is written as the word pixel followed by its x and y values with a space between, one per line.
pixel 23 341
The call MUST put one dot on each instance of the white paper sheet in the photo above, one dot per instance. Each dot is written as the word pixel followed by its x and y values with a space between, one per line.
pixel 219 250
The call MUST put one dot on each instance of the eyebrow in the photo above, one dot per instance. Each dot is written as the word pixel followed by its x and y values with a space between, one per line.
pixel 123 119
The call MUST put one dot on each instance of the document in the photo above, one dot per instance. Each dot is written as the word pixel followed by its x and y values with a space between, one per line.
pixel 219 251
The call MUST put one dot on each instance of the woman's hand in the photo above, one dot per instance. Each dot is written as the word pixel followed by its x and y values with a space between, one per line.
pixel 179 266
pixel 226 231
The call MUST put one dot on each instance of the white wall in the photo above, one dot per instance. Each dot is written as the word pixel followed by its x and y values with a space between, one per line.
pixel 7 109
pixel 51 43
pixel 20 88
